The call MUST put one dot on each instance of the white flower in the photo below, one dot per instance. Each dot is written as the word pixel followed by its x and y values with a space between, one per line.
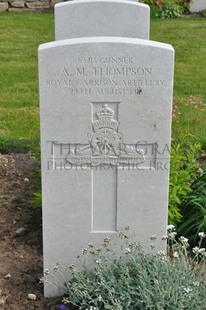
pixel 183 239
pixel 152 245
pixel 195 250
pixel 107 240
pixel 46 272
pixel 156 282
pixel 175 255
pixel 84 251
pixel 127 251
pixel 202 250
pixel 187 289
pixel 172 235
pixel 163 258
pixel 170 227
pixel 98 261
pixel 196 283
pixel 200 170
pixel 201 235
pixel 65 301
pixel 99 298
pixel 161 253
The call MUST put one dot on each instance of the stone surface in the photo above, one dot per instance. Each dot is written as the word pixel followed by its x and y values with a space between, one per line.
pixel 2 301
pixel 105 134
pixel 32 296
pixel 26 5
pixel 17 3
pixel 38 5
pixel 4 6
pixel 197 6
pixel 87 18
pixel 20 231
pixel 25 9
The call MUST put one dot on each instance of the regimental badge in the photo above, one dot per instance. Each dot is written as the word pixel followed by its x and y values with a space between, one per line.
pixel 106 146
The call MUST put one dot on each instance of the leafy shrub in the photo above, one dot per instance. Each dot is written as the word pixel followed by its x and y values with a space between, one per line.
pixel 167 8
pixel 194 210
pixel 138 281
pixel 184 169
pixel 185 5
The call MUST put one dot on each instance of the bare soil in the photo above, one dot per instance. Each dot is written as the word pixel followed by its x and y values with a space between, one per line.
pixel 20 237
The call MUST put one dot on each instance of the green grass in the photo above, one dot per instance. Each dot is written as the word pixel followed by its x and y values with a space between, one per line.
pixel 186 36
pixel 20 36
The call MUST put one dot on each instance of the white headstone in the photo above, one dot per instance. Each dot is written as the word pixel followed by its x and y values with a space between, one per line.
pixel 197 6
pixel 90 18
pixel 105 134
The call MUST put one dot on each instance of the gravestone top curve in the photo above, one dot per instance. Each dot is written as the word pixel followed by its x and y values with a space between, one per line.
pixel 105 40
pixel 122 18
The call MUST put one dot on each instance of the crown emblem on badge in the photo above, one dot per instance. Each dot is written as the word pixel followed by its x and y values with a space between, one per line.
pixel 105 119
pixel 105 113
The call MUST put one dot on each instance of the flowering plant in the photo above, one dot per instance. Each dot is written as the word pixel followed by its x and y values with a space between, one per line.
pixel 137 281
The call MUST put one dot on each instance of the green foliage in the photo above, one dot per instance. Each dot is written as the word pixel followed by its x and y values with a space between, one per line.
pixel 169 10
pixel 134 280
pixel 149 2
pixel 13 145
pixel 36 200
pixel 184 169
pixel 202 140
pixel 203 13
pixel 185 4
pixel 194 210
